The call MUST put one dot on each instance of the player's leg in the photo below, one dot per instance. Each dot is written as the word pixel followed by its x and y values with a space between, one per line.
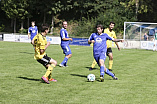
pixel 93 65
pixel 102 68
pixel 102 61
pixel 53 64
pixel 68 54
pixel 110 55
pixel 45 61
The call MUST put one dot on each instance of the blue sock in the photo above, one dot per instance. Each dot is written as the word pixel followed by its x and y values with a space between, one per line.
pixel 64 61
pixel 102 70
pixel 109 73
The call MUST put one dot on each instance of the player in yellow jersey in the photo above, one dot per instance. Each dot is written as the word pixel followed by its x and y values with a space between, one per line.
pixel 40 44
pixel 112 34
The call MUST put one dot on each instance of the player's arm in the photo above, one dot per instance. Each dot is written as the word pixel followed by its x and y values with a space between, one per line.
pixel 65 39
pixel 117 40
pixel 90 40
pixel 117 45
pixel 63 36
pixel 43 50
pixel 28 34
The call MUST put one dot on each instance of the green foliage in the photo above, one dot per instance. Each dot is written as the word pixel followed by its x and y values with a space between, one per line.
pixel 97 11
pixel 21 83
pixel 2 28
pixel 23 31
pixel 85 28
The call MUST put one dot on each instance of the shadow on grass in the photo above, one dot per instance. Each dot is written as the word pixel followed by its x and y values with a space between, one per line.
pixel 32 79
pixel 96 79
pixel 27 52
pixel 92 69
pixel 79 75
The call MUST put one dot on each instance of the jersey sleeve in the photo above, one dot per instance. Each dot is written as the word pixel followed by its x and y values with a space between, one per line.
pixel 62 34
pixel 91 37
pixel 108 37
pixel 29 30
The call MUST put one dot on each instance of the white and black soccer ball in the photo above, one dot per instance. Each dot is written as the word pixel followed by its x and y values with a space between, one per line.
pixel 91 77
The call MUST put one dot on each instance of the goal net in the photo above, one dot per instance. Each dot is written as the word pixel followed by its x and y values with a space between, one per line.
pixel 139 34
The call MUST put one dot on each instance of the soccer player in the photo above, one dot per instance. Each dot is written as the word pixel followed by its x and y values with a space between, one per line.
pixel 100 48
pixel 112 34
pixel 155 42
pixel 32 31
pixel 65 44
pixel 40 43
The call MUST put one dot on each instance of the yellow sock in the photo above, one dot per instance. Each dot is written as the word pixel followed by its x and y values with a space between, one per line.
pixel 50 76
pixel 94 63
pixel 48 72
pixel 110 64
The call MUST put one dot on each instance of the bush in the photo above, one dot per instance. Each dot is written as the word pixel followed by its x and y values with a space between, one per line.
pixel 23 31
pixel 2 28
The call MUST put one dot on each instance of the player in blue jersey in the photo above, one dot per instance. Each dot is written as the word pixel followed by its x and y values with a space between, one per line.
pixel 99 50
pixel 32 31
pixel 65 44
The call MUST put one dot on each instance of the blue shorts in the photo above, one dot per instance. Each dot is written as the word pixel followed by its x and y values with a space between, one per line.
pixel 102 56
pixel 66 49
pixel 32 36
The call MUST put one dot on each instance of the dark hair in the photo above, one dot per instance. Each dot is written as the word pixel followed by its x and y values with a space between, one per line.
pixel 44 27
pixel 63 21
pixel 33 21
pixel 112 23
pixel 101 26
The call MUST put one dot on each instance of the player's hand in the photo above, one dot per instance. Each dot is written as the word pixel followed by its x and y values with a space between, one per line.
pixel 122 40
pixel 92 41
pixel 119 48
pixel 71 39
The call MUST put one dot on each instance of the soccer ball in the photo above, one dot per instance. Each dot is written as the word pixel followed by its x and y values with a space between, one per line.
pixel 91 77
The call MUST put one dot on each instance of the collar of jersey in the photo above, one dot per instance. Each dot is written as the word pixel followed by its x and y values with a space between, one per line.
pixel 43 35
pixel 99 34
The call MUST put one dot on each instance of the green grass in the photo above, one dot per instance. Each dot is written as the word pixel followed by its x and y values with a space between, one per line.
pixel 20 75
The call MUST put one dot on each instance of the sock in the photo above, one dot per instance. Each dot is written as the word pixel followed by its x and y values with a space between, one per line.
pixel 64 62
pixel 102 70
pixel 110 64
pixel 93 64
pixel 48 72
pixel 109 73
pixel 50 76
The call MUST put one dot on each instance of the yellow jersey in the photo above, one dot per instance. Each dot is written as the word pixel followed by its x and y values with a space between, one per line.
pixel 39 43
pixel 111 34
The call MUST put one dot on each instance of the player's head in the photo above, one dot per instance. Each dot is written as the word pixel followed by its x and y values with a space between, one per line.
pixel 111 26
pixel 45 28
pixel 33 23
pixel 99 28
pixel 65 24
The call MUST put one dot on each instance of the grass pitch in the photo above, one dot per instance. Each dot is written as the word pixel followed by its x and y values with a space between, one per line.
pixel 20 77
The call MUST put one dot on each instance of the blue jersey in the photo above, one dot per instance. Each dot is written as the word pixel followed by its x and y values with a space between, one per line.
pixel 100 42
pixel 33 31
pixel 64 34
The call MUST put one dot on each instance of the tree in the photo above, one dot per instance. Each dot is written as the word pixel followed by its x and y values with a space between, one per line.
pixel 15 9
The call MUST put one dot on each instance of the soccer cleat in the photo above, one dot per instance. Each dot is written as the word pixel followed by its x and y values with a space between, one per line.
pixel 110 69
pixel 45 79
pixel 90 69
pixel 54 80
pixel 101 78
pixel 61 65
pixel 115 78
